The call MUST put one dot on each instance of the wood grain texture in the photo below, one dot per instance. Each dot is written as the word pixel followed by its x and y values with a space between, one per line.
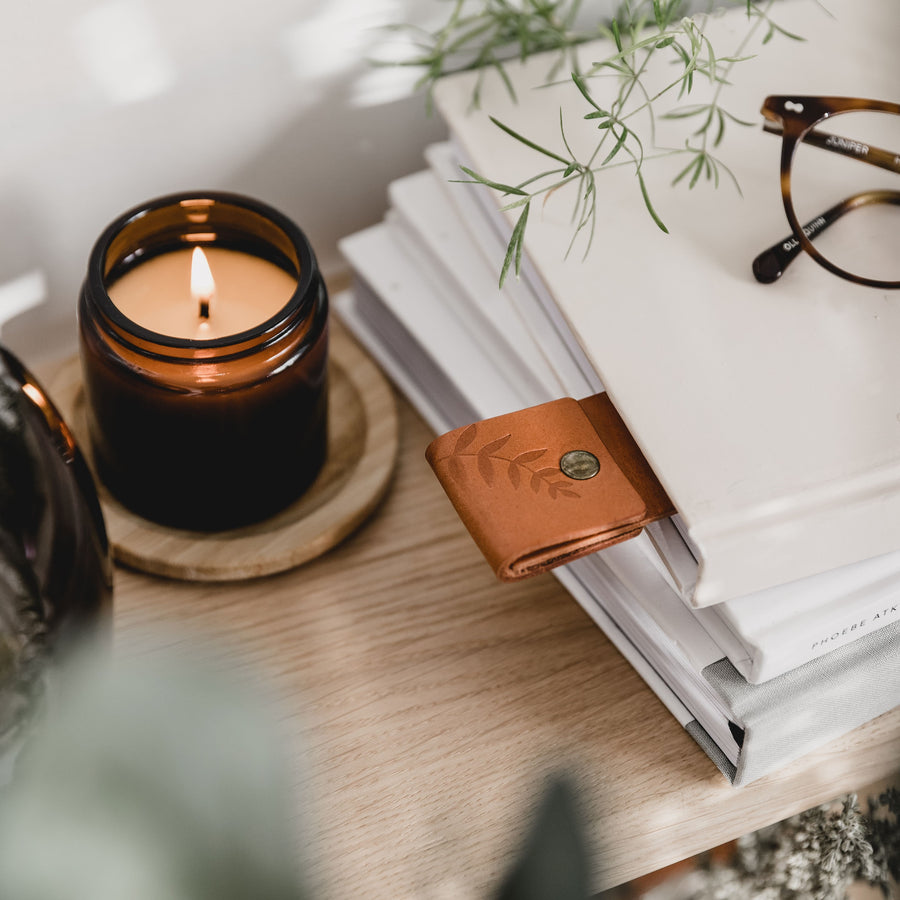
pixel 362 448
pixel 424 703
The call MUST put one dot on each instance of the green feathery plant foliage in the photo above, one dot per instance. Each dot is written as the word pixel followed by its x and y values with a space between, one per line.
pixel 484 34
pixel 642 30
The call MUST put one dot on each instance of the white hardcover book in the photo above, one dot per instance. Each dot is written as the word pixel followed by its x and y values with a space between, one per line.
pixel 446 339
pixel 486 236
pixel 765 634
pixel 769 413
pixel 430 232
pixel 778 629
pixel 768 632
pixel 747 730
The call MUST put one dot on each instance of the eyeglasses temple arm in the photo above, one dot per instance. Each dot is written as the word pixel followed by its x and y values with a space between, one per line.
pixel 834 143
pixel 770 264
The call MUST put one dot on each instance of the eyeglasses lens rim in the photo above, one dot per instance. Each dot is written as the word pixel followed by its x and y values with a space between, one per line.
pixel 797 116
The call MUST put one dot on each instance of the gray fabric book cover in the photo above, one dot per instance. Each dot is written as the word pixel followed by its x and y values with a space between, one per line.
pixel 809 706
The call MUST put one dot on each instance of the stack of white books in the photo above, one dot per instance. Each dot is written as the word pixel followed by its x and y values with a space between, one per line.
pixel 765 613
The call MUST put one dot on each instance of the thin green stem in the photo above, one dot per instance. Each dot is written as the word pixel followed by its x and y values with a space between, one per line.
pixel 483 34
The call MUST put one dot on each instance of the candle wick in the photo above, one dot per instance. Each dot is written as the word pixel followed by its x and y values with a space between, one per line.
pixel 202 284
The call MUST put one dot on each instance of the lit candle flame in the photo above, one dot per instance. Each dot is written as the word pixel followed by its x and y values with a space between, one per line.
pixel 202 284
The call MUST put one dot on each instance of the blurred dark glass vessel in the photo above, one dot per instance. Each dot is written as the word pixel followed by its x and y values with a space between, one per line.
pixel 55 564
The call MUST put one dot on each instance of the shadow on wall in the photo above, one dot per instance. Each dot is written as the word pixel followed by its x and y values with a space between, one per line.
pixel 369 147
pixel 106 105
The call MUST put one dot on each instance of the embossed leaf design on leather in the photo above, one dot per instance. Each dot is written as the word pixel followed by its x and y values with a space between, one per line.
pixel 560 488
pixel 529 456
pixel 488 458
pixel 521 462
pixel 494 446
pixel 486 469
pixel 485 463
pixel 542 475
pixel 466 438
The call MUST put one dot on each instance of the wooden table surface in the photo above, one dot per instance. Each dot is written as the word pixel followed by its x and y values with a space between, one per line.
pixel 427 702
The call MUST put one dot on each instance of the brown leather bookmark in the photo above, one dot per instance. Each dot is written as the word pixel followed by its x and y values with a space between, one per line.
pixel 543 486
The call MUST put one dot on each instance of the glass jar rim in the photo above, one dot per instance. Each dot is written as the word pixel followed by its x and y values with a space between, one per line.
pixel 301 302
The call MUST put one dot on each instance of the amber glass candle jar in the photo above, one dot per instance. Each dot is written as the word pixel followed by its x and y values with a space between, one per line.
pixel 190 427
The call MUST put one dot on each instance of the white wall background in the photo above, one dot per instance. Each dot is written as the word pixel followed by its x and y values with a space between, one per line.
pixel 107 103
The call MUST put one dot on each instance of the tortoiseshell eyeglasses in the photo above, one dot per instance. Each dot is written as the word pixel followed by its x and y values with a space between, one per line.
pixel 847 200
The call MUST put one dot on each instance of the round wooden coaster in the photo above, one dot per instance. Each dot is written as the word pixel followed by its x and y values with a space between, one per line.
pixel 362 448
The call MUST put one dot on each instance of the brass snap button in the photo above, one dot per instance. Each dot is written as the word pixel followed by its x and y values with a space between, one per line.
pixel 579 464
